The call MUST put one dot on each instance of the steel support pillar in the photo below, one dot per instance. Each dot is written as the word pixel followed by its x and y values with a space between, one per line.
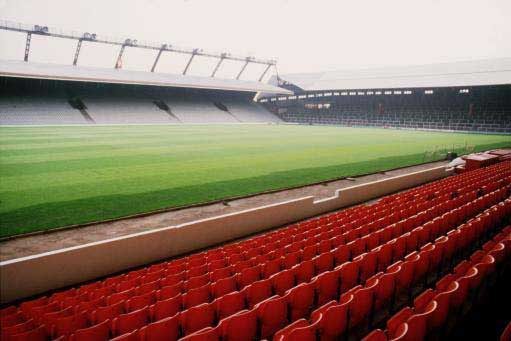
pixel 118 64
pixel 157 58
pixel 188 64
pixel 77 52
pixel 264 72
pixel 242 69
pixel 218 66
pixel 27 46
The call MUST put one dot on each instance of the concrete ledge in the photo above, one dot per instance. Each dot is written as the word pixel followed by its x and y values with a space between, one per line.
pixel 28 276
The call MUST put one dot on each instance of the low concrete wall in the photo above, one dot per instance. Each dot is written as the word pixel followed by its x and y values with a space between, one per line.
pixel 28 276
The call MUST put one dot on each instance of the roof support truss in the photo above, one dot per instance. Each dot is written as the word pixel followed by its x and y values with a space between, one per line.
pixel 79 37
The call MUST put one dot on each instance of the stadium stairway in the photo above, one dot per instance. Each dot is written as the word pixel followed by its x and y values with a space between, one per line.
pixel 339 275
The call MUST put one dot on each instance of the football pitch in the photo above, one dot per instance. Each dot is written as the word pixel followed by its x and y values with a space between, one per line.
pixel 59 176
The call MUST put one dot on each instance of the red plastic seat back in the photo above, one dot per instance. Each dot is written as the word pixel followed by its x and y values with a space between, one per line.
pixel 241 326
pixel 165 329
pixel 129 322
pixel 98 332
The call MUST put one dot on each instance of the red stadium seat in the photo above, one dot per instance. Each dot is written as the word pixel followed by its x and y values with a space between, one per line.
pixel 283 334
pixel 283 281
pixel 361 306
pixel 229 304
pixel 165 329
pixel 37 334
pixel 197 296
pixel 241 326
pixel 128 284
pixel 139 302
pixel 257 292
pixel 17 329
pixel 169 291
pixel 272 314
pixel 333 320
pixel 249 275
pixel 107 313
pixel 349 275
pixel 301 300
pixel 223 286
pixel 323 262
pixel 165 308
pixel 195 282
pixel 8 311
pixel 218 274
pixel 271 267
pixel 129 322
pixel 98 332
pixel 304 271
pixel 120 296
pixel 198 317
pixel 327 286
pixel 68 325
pixel 419 323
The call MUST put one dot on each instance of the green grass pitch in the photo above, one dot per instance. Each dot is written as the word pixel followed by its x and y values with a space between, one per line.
pixel 58 176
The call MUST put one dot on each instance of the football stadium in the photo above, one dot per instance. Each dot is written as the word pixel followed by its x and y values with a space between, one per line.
pixel 366 203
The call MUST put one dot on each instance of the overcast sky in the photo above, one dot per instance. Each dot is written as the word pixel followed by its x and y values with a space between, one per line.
pixel 304 36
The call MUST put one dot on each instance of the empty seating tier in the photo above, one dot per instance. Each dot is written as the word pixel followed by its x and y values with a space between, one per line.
pixel 340 274
pixel 117 109
pixel 31 110
pixel 489 112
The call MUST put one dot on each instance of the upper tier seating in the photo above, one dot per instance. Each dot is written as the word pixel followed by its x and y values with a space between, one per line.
pixel 333 275
pixel 38 110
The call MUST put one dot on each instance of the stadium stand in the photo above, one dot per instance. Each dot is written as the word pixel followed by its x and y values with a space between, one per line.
pixel 125 111
pixel 111 104
pixel 30 110
pixel 334 275
pixel 483 110
pixel 46 102
pixel 198 110
pixel 249 112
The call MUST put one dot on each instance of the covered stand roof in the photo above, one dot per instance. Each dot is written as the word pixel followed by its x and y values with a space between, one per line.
pixel 468 73
pixel 21 69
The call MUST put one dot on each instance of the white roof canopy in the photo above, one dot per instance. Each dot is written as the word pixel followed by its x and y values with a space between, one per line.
pixel 469 73
pixel 21 69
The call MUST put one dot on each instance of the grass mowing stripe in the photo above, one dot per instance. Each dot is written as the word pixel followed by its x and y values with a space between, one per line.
pixel 67 175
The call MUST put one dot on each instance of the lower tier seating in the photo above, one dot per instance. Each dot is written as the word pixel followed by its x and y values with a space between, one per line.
pixel 437 308
pixel 299 281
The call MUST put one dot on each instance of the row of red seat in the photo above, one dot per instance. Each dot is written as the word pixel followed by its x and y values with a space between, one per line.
pixel 295 304
pixel 325 246
pixel 275 311
pixel 434 308
pixel 357 307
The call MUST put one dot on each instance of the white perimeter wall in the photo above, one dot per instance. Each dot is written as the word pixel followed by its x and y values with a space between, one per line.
pixel 28 276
